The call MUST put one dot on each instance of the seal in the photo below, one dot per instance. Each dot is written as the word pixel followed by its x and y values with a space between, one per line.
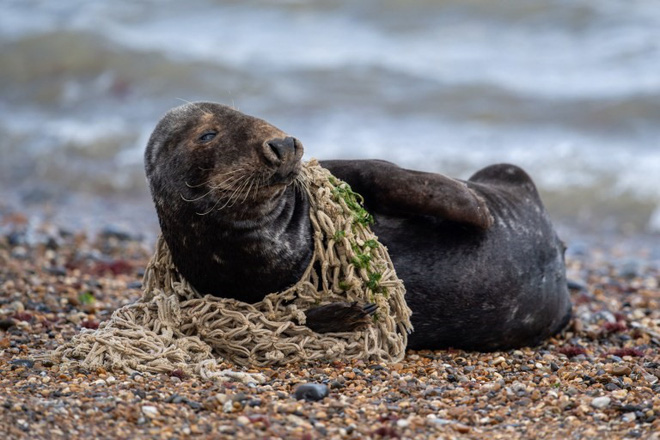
pixel 224 187
pixel 481 262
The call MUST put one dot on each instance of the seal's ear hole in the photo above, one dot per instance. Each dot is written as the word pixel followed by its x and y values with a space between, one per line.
pixel 209 135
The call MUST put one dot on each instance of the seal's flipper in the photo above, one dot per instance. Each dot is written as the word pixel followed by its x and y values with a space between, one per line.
pixel 390 189
pixel 339 317
pixel 506 175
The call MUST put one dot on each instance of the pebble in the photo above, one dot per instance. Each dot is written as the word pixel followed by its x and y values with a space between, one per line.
pixel 402 423
pixel 650 378
pixel 27 363
pixel 6 324
pixel 311 392
pixel 620 370
pixel 612 386
pixel 600 402
pixel 520 393
pixel 629 417
pixel 242 420
pixel 150 411
pixel 619 394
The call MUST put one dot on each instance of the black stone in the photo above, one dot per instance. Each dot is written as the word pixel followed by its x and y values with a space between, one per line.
pixel 6 324
pixel 23 363
pixel 311 392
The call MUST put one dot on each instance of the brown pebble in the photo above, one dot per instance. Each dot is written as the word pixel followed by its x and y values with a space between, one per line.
pixel 620 370
pixel 463 429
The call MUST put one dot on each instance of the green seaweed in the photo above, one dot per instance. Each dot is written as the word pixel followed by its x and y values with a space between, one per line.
pixel 362 258
pixel 354 201
pixel 86 298
pixel 361 261
pixel 374 281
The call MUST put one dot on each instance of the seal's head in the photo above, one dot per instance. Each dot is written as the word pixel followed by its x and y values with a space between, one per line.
pixel 214 157
pixel 222 183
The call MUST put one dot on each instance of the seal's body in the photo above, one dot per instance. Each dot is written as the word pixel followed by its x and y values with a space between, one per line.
pixel 482 265
pixel 473 281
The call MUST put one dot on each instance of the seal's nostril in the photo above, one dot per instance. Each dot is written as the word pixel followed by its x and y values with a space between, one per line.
pixel 276 149
pixel 282 148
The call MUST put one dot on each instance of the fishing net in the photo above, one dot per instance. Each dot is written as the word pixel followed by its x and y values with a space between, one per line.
pixel 174 327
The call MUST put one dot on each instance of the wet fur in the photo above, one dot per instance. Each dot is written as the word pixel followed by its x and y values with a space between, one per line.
pixel 468 286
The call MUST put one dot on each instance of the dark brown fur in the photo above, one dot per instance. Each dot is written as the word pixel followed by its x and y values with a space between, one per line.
pixel 228 207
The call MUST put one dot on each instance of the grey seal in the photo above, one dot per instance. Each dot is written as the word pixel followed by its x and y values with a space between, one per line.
pixel 481 262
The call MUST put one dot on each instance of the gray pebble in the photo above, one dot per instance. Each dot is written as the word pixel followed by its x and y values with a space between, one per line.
pixel 23 363
pixel 311 392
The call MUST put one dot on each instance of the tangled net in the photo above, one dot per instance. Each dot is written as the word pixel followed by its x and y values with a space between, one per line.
pixel 173 327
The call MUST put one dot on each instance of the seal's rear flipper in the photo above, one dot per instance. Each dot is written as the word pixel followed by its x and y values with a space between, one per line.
pixel 390 189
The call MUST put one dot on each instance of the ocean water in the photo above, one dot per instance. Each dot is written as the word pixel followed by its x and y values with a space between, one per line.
pixel 567 89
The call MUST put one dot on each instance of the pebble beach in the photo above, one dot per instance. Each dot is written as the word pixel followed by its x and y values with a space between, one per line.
pixel 600 378
pixel 569 91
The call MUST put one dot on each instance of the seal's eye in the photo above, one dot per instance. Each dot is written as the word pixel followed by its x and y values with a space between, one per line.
pixel 208 136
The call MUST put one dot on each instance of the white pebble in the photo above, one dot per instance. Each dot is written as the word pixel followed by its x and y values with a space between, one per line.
pixel 650 378
pixel 17 306
pixel 499 360
pixel 600 402
pixel 150 411
pixel 629 417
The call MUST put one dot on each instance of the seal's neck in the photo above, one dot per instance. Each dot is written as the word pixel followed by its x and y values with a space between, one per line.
pixel 245 257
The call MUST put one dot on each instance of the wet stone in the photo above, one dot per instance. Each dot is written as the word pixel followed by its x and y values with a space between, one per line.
pixel 57 271
pixel 311 392
pixel 118 233
pixel 6 324
pixel 27 363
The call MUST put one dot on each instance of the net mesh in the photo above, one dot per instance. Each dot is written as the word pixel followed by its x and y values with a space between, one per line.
pixel 173 327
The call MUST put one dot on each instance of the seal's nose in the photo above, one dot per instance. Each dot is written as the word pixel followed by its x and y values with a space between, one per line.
pixel 284 149
pixel 283 155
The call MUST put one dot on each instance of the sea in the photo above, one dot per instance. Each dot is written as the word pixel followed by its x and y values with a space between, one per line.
pixel 567 89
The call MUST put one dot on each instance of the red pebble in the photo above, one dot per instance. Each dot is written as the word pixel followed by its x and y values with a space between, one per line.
pixel 615 327
pixel 572 350
pixel 634 352
pixel 22 316
pixel 90 323
pixel 179 373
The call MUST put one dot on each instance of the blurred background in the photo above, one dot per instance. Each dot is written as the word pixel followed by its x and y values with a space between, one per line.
pixel 567 89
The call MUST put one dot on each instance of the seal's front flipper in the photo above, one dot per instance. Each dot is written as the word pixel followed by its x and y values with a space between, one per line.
pixel 339 317
pixel 390 189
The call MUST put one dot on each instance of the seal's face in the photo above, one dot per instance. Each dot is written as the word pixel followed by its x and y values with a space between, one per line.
pixel 213 157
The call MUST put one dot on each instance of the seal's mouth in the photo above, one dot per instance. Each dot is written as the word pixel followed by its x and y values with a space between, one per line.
pixel 285 177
